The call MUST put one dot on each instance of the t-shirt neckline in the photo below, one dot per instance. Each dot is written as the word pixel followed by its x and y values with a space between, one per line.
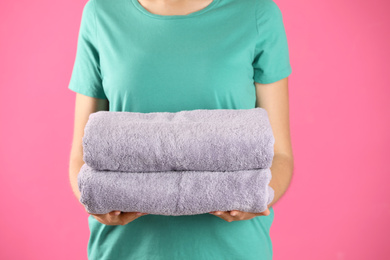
pixel 158 16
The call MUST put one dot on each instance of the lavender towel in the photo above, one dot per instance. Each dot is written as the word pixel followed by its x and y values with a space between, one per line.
pixel 174 193
pixel 200 140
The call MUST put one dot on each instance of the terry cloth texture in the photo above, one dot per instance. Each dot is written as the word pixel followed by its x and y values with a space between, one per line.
pixel 177 163
pixel 176 192
pixel 200 140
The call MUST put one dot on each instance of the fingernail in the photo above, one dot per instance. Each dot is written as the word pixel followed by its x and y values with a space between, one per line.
pixel 233 213
pixel 139 213
pixel 217 213
pixel 117 213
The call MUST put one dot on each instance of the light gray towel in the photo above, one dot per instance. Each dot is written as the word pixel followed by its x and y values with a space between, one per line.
pixel 174 193
pixel 199 140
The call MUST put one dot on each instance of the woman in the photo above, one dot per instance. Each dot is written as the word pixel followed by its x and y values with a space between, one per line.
pixel 168 56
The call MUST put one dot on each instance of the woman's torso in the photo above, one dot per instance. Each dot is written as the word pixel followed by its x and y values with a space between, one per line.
pixel 151 63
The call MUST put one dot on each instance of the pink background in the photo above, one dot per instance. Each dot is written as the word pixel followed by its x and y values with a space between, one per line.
pixel 338 204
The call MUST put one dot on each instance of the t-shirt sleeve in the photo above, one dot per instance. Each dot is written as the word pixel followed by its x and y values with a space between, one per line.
pixel 271 62
pixel 86 75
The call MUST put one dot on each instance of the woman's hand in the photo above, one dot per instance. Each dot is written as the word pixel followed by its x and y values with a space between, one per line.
pixel 235 215
pixel 117 217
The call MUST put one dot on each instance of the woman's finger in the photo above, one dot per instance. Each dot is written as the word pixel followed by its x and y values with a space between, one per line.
pixel 240 215
pixel 225 215
pixel 117 212
pixel 127 217
pixel 235 213
pixel 264 213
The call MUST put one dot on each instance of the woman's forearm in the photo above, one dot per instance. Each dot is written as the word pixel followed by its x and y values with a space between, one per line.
pixel 282 171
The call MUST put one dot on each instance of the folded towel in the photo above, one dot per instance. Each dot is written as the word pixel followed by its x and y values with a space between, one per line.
pixel 199 140
pixel 174 193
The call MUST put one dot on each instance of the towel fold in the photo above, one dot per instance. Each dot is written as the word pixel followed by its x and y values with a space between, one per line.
pixel 198 140
pixel 174 192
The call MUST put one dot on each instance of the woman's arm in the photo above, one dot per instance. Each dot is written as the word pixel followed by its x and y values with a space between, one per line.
pixel 274 98
pixel 84 106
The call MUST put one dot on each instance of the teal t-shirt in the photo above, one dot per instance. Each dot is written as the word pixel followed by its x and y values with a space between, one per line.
pixel 208 59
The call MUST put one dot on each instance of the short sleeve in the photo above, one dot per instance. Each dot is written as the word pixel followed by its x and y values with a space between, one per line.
pixel 86 76
pixel 271 62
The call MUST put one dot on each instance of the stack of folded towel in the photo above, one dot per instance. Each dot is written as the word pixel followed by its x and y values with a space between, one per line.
pixel 183 163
